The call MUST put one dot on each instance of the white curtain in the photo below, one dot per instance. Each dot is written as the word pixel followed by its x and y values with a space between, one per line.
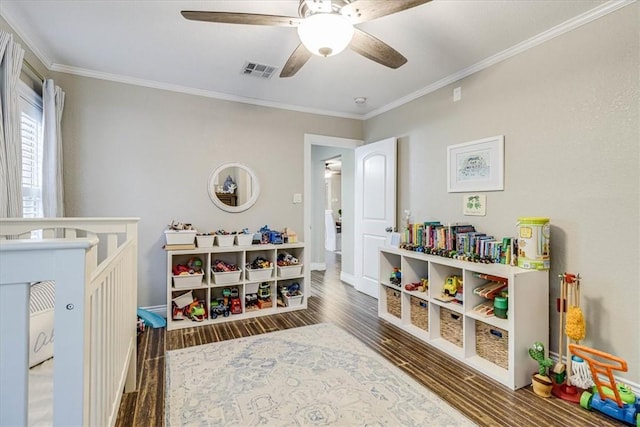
pixel 52 188
pixel 11 55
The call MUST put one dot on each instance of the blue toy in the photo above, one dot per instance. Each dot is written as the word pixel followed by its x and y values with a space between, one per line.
pixel 613 399
pixel 151 319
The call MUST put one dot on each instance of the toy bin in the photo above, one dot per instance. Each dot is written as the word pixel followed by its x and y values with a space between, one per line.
pixel 259 274
pixel 393 301
pixel 287 271
pixel 224 277
pixel 225 240
pixel 419 313
pixel 186 281
pixel 205 241
pixel 180 237
pixel 492 344
pixel 451 326
pixel 244 239
pixel 183 300
pixel 292 300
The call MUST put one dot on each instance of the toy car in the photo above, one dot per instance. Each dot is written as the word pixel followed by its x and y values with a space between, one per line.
pixel 236 306
pixel 395 277
pixel 451 285
pixel 251 300
pixel 264 290
pixel 196 311
pixel 218 307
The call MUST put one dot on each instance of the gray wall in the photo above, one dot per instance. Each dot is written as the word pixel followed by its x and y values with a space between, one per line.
pixel 134 151
pixel 569 112
pixel 568 109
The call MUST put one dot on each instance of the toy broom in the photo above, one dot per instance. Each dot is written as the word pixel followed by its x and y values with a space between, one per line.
pixel 575 327
pixel 560 367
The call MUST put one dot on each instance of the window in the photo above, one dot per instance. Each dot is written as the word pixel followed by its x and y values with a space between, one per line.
pixel 30 105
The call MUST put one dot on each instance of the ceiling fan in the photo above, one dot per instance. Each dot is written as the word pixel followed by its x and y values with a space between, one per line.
pixel 325 28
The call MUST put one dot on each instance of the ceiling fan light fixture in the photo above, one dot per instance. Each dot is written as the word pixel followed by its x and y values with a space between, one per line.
pixel 325 34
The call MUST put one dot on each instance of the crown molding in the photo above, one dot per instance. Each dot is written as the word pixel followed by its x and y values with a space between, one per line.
pixel 193 91
pixel 543 37
pixel 18 26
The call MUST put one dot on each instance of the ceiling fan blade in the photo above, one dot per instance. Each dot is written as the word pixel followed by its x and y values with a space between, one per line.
pixel 376 50
pixel 298 58
pixel 242 18
pixel 366 10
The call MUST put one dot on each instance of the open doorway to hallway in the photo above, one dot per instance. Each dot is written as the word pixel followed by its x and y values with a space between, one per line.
pixel 319 149
pixel 333 204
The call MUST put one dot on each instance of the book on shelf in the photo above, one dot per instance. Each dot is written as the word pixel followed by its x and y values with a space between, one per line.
pixel 179 247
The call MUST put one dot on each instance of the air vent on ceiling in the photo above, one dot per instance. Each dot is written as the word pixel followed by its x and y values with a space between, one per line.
pixel 258 70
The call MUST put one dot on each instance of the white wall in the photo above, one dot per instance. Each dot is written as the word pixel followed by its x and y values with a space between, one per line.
pixel 569 112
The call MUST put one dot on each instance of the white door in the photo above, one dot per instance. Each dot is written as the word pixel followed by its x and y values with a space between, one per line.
pixel 375 209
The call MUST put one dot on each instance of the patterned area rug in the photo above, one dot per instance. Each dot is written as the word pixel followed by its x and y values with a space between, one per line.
pixel 310 376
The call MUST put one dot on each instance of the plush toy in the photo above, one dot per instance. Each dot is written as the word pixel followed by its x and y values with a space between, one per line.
pixel 536 351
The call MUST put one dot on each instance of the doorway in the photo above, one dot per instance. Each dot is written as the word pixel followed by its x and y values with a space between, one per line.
pixel 318 149
pixel 333 205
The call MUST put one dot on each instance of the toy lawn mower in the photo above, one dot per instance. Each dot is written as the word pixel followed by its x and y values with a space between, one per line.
pixel 613 399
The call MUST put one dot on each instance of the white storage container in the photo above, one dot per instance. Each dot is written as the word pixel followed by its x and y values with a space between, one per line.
pixel 184 299
pixel 225 239
pixel 244 239
pixel 180 237
pixel 292 300
pixel 186 281
pixel 205 241
pixel 258 274
pixel 289 271
pixel 224 277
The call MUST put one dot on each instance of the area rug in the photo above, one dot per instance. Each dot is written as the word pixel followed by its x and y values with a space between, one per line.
pixel 309 376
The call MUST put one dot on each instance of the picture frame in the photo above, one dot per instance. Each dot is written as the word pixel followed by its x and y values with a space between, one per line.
pixel 393 240
pixel 476 165
pixel 474 204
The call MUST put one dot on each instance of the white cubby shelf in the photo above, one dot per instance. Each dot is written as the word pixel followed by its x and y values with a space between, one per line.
pixel 505 358
pixel 212 285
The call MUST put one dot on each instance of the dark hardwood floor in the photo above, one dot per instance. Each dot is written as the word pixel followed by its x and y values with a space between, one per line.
pixel 480 398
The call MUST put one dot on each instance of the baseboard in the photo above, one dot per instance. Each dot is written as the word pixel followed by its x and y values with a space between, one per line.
pixel 634 386
pixel 318 266
pixel 348 278
pixel 160 310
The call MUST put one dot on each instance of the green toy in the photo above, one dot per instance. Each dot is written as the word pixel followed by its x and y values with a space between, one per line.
pixel 536 351
pixel 541 383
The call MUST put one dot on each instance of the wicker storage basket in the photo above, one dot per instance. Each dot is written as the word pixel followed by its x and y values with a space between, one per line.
pixel 393 301
pixel 451 326
pixel 420 313
pixel 492 344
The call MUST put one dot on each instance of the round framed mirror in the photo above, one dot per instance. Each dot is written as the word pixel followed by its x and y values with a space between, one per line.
pixel 233 187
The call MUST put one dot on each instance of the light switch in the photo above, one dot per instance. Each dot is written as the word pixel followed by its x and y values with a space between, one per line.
pixel 457 94
pixel 297 198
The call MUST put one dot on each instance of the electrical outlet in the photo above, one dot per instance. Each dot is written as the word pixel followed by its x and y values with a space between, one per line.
pixel 297 198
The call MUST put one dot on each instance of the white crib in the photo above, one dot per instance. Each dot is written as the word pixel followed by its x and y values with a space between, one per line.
pixel 93 262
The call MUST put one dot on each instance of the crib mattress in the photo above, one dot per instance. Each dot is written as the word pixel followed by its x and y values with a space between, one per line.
pixel 41 394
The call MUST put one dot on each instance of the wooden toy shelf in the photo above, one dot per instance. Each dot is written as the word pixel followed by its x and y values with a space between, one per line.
pixel 209 287
pixel 493 346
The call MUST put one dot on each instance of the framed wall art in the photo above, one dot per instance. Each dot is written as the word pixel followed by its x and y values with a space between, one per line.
pixel 476 165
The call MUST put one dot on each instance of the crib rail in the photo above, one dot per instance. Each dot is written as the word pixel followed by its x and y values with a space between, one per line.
pixel 95 315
